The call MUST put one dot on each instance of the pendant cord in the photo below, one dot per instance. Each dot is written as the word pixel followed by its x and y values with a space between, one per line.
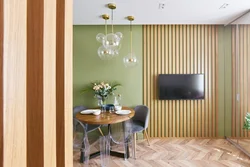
pixel 112 28
pixel 131 38
pixel 106 29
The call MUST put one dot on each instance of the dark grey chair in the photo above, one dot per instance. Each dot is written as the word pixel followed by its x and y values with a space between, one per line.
pixel 140 122
pixel 90 128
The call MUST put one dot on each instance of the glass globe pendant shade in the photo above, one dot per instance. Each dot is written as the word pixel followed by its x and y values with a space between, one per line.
pixel 130 60
pixel 119 34
pixel 106 53
pixel 100 37
pixel 111 41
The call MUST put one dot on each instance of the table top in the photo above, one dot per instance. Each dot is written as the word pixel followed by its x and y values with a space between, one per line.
pixel 105 118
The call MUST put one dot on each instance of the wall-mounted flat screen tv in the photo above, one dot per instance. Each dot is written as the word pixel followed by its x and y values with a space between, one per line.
pixel 181 86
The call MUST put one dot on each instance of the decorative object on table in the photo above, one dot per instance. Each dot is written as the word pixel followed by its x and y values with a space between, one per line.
pixel 130 60
pixel 247 122
pixel 117 108
pixel 101 90
pixel 108 107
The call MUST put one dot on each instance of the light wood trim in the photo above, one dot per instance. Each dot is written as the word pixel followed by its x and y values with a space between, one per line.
pixel 163 104
pixel 49 83
pixel 156 83
pixel 1 82
pixel 154 67
pixel 68 79
pixel 186 49
pixel 15 13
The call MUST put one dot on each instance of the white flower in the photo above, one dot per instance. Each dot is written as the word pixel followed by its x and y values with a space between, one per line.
pixel 96 87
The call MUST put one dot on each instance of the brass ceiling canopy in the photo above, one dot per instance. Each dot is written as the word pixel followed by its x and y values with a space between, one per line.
pixel 131 18
pixel 105 16
pixel 112 6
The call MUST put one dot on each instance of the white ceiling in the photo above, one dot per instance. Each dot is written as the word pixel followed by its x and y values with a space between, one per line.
pixel 88 12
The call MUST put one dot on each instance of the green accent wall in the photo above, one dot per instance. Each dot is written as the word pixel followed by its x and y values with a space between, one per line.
pixel 224 81
pixel 88 67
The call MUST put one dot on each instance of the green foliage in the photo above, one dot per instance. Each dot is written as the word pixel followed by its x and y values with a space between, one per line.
pixel 247 122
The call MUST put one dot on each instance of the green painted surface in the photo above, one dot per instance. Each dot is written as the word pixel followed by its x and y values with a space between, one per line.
pixel 228 80
pixel 88 67
pixel 224 81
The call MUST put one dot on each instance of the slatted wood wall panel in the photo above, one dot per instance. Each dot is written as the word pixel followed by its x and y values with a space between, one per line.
pixel 181 49
pixel 36 67
pixel 241 78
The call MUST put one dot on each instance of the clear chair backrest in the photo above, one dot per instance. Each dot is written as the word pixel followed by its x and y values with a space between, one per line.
pixel 77 109
pixel 78 133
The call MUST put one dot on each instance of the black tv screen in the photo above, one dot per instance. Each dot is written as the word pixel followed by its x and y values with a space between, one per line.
pixel 181 86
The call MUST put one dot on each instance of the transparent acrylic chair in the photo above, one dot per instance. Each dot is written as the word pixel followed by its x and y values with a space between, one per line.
pixel 121 136
pixel 80 140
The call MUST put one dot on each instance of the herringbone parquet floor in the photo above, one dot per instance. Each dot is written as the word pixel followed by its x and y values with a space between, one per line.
pixel 181 152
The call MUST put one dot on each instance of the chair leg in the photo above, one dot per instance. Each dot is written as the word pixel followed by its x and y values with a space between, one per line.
pixel 100 131
pixel 134 145
pixel 146 134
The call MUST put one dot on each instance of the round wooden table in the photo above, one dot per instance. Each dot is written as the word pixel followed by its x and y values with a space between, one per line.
pixel 105 118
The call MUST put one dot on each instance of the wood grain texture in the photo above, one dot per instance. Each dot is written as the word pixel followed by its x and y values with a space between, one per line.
pixel 105 118
pixel 35 30
pixel 49 83
pixel 14 83
pixel 181 152
pixel 68 79
pixel 181 49
pixel 240 78
pixel 60 83
pixel 35 69
pixel 1 83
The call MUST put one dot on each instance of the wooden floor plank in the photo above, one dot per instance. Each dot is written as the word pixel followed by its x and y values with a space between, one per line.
pixel 181 152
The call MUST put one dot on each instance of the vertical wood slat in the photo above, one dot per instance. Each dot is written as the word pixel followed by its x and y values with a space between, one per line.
pixel 1 82
pixel 49 86
pixel 14 83
pixel 60 94
pixel 240 44
pixel 35 83
pixel 68 78
pixel 188 50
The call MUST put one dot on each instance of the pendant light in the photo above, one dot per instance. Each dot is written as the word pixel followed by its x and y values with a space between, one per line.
pixel 103 52
pixel 112 40
pixel 130 60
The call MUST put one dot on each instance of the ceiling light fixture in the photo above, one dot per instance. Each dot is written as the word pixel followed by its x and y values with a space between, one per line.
pixel 111 43
pixel 130 60
pixel 103 52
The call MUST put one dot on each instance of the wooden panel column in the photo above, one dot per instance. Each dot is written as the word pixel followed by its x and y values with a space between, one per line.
pixel 36 83
pixel 181 49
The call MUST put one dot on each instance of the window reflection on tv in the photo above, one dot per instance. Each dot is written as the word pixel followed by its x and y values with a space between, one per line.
pixel 181 86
